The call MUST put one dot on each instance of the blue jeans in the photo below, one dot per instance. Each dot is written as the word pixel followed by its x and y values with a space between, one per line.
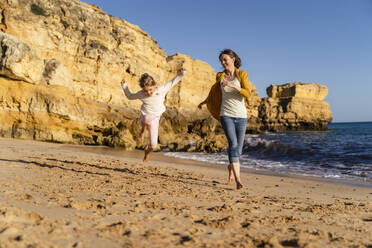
pixel 234 129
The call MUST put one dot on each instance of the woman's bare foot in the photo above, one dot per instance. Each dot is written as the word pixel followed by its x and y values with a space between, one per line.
pixel 231 173
pixel 239 185
pixel 147 154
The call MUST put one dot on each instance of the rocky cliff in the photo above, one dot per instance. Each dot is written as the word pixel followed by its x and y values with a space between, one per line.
pixel 60 71
pixel 61 67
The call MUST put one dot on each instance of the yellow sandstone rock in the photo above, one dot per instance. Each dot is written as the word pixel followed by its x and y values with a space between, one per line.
pixel 60 72
pixel 295 106
pixel 298 90
pixel 62 67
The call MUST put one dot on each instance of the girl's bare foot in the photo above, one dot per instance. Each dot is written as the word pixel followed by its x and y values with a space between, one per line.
pixel 231 173
pixel 147 154
pixel 239 185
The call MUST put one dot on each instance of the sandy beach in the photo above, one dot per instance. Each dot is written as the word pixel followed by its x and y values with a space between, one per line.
pixel 58 195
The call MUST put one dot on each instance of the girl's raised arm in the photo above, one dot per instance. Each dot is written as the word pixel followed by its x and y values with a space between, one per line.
pixel 130 95
pixel 166 87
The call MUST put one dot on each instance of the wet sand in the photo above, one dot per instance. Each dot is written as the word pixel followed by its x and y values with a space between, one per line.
pixel 57 195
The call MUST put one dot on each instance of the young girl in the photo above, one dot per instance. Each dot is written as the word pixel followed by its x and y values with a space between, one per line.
pixel 153 107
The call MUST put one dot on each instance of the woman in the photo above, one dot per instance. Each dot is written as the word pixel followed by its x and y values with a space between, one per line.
pixel 226 103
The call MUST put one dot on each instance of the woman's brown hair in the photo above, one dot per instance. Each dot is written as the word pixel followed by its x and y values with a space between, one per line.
pixel 232 54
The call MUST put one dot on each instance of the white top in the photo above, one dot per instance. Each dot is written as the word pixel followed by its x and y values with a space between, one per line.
pixel 232 101
pixel 153 105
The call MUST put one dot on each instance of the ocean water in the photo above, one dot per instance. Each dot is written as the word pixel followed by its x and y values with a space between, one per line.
pixel 342 152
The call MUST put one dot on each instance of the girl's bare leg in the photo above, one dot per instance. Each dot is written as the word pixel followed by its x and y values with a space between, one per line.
pixel 147 154
pixel 236 171
pixel 142 135
pixel 153 129
pixel 231 173
pixel 149 147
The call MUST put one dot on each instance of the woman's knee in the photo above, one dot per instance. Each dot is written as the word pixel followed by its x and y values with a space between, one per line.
pixel 234 151
pixel 233 144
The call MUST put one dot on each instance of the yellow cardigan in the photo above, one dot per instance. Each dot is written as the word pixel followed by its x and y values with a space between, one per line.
pixel 215 94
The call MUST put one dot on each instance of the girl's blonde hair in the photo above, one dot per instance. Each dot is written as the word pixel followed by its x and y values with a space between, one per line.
pixel 146 80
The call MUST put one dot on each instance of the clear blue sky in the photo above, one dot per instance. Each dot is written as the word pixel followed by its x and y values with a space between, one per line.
pixel 321 41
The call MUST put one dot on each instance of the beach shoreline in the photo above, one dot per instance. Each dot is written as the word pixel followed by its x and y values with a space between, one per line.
pixel 61 195
pixel 345 181
pixel 160 156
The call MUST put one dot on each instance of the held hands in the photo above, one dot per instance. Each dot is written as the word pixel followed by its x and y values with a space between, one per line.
pixel 224 83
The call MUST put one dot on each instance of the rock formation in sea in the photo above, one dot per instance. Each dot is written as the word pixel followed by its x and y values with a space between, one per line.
pixel 296 107
pixel 60 71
